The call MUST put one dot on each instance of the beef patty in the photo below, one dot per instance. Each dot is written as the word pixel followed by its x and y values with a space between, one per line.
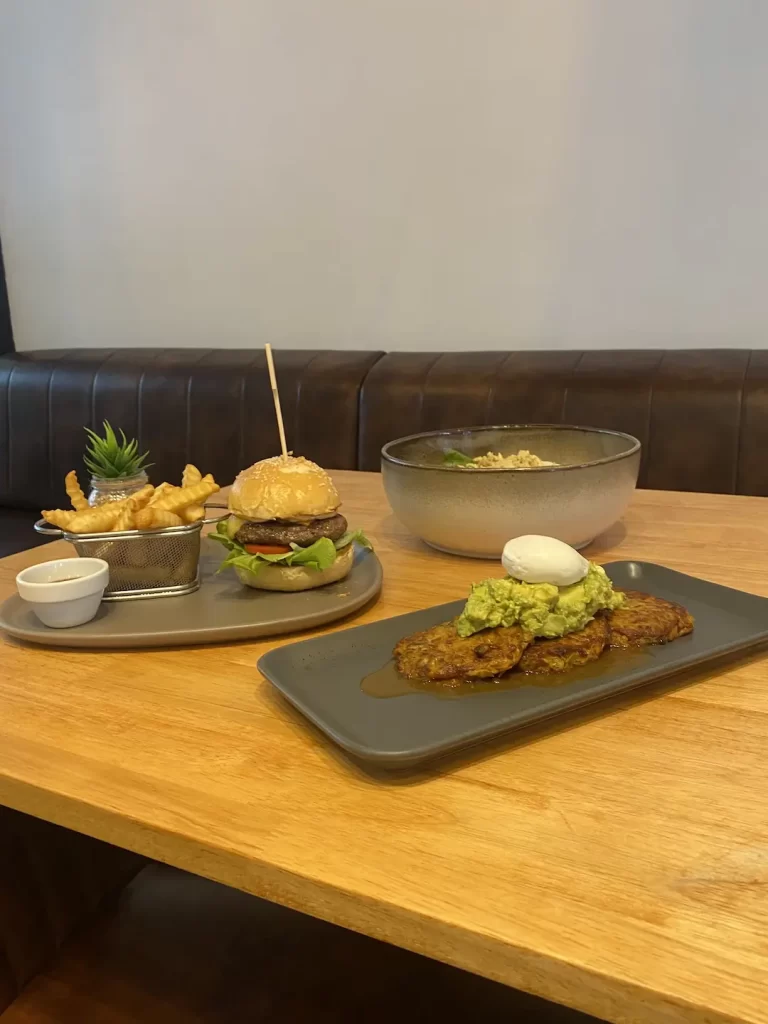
pixel 303 534
pixel 440 653
pixel 645 619
pixel 569 651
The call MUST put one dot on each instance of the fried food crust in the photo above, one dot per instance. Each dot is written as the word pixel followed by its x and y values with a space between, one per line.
pixel 645 619
pixel 440 653
pixel 566 652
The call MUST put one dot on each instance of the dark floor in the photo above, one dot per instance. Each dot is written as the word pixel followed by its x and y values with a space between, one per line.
pixel 181 950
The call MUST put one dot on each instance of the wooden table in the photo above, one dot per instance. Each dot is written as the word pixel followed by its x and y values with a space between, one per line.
pixel 618 865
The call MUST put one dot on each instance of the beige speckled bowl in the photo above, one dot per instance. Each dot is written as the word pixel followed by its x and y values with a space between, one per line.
pixel 474 512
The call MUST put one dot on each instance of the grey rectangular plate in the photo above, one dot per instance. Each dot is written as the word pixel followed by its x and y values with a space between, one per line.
pixel 322 677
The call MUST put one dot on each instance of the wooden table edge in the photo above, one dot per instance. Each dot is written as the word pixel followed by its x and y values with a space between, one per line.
pixel 536 973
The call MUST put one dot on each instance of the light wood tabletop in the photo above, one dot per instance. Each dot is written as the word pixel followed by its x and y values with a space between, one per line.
pixel 616 863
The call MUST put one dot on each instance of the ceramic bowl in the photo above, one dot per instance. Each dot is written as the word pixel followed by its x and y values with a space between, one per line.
pixel 65 592
pixel 474 512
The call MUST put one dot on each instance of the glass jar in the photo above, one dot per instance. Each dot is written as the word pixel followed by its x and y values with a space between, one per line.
pixel 116 489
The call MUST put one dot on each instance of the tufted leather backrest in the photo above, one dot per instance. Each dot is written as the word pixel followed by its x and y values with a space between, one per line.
pixel 702 416
pixel 210 407
pixel 51 880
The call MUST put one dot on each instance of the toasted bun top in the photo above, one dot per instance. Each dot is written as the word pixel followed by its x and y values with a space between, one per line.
pixel 284 487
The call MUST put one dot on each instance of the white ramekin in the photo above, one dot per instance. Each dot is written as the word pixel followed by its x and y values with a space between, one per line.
pixel 65 592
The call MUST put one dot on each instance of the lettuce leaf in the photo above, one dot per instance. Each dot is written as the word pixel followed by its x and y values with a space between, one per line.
pixel 456 458
pixel 353 535
pixel 320 555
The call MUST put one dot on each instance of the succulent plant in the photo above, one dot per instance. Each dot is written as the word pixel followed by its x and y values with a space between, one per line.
pixel 110 459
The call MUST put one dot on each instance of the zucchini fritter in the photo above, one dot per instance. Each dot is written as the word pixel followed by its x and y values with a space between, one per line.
pixel 440 653
pixel 645 619
pixel 569 651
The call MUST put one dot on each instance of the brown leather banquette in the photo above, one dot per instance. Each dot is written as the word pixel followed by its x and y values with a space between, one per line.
pixel 702 415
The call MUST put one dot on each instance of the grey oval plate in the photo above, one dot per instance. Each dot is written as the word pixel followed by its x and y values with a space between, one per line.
pixel 221 610
pixel 322 676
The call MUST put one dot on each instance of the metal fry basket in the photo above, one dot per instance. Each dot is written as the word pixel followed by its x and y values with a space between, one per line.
pixel 143 563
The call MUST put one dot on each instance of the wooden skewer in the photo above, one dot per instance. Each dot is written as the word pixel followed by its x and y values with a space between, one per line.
pixel 276 399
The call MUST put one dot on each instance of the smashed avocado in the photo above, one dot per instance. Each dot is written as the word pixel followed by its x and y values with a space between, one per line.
pixel 541 608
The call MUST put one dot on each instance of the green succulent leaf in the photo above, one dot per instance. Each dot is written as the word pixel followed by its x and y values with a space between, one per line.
pixel 109 458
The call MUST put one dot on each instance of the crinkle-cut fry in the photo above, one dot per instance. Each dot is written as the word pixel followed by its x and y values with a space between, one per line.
pixel 160 490
pixel 192 513
pixel 150 518
pixel 191 475
pixel 59 517
pixel 142 497
pixel 75 491
pixel 174 501
pixel 96 520
pixel 126 520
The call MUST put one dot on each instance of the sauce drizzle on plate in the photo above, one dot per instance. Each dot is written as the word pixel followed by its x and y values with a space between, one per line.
pixel 387 682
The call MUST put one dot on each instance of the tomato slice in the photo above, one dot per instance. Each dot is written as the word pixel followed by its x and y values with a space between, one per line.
pixel 267 549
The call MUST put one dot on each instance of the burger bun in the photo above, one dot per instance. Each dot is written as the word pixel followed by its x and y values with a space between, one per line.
pixel 292 578
pixel 286 487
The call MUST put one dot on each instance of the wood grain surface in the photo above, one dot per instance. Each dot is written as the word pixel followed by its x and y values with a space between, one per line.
pixel 616 863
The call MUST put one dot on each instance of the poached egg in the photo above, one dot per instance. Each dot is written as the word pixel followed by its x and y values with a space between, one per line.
pixel 535 559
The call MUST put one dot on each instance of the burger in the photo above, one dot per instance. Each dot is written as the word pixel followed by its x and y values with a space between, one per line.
pixel 285 531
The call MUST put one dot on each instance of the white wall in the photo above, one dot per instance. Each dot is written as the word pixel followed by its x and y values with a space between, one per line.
pixel 385 173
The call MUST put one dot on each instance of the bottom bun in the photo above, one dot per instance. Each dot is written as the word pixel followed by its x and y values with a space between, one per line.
pixel 297 577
